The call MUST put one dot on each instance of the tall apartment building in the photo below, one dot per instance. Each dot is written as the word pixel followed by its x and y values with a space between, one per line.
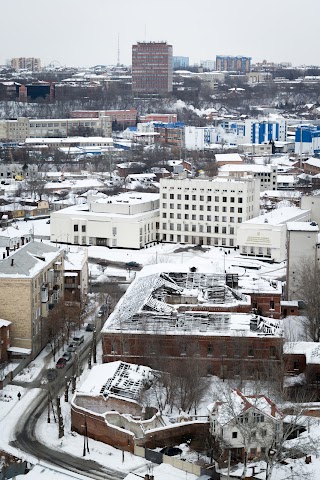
pixel 180 62
pixel 227 63
pixel 206 211
pixel 152 67
pixel 31 282
pixel 26 63
pixel 22 128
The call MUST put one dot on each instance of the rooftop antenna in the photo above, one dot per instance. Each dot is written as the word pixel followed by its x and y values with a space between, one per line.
pixel 145 32
pixel 118 57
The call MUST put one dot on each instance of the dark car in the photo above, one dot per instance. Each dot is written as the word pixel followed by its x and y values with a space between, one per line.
pixel 102 310
pixel 133 265
pixel 51 374
pixel 61 363
pixel 90 327
pixel 72 347
pixel 67 356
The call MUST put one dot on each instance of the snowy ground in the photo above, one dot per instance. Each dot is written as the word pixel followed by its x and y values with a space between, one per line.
pixel 206 259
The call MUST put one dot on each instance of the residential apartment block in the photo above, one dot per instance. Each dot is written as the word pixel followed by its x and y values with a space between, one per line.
pixel 206 211
pixel 128 220
pixel 31 282
pixel 152 67
pixel 227 63
pixel 26 63
pixel 22 128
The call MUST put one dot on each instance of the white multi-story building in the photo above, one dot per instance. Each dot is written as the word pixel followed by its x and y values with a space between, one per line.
pixel 128 220
pixel 303 249
pixel 266 236
pixel 206 211
pixel 22 128
pixel 266 174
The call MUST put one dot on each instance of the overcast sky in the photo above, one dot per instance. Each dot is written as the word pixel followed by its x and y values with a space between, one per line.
pixel 85 32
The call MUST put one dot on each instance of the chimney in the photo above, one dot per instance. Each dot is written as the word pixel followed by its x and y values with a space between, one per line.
pixel 22 241
pixel 18 245
pixel 4 255
pixel 8 251
pixel 146 477
pixel 12 262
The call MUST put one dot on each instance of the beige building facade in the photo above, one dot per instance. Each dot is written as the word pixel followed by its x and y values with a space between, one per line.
pixel 31 283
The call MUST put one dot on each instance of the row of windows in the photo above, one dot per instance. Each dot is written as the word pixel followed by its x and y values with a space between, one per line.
pixel 198 228
pixel 76 228
pixel 202 198
pixel 201 208
pixel 195 351
pixel 216 241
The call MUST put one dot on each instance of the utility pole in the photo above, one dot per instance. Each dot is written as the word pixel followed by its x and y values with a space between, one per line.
pixel 60 419
pixel 94 346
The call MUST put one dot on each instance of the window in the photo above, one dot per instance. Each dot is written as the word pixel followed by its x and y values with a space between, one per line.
pixel 239 200
pixel 231 231
pixel 75 228
pixel 194 197
pixel 76 239
pixel 224 209
pixel 186 216
pixel 210 351
pixel 186 207
pixel 186 238
pixel 208 218
pixel 273 351
pixel 193 228
pixel 179 216
pixel 224 230
pixel 171 196
pixel 194 207
pixel 179 227
pixel 271 304
pixel 201 207
pixel 186 197
pixel 171 215
pixel 239 210
pixel 216 229
pixel 216 209
pixel 254 434
pixel 171 206
pixel 164 215
pixel 179 206
pixel 200 217
pixel 201 198
pixel 164 195
pixel 179 196
pixel 234 434
pixel 250 352
pixel 84 240
pixel 239 220
pixel 231 209
pixel 209 198
pixel 208 228
pixel 258 417
pixel 186 228
pixel 224 199
pixel 232 199
pixel 216 218
pixel 164 205
pixel 209 208
pixel 83 228
pixel 164 226
pixel 171 226
pixel 193 217
pixel 263 433
pixel 216 199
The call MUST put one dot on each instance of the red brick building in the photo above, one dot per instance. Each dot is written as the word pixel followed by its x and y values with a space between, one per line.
pixel 4 340
pixel 125 118
pixel 177 316
pixel 152 67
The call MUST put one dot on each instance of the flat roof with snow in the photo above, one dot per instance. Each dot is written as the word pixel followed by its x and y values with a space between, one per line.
pixel 279 216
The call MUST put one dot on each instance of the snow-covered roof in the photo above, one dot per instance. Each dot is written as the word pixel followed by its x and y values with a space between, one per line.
pixel 238 404
pixel 119 379
pixel 313 162
pixel 29 260
pixel 248 167
pixel 144 307
pixel 228 157
pixel 311 350
pixel 302 226
pixel 278 216
pixel 4 323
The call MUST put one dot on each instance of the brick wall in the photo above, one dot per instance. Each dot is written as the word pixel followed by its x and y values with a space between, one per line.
pixel 226 357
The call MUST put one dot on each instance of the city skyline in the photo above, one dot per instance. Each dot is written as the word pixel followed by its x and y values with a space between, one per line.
pixel 87 34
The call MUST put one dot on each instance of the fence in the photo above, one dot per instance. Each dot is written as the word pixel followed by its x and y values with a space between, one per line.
pixel 158 457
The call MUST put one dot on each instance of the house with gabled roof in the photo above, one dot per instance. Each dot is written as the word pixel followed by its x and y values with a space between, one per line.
pixel 246 425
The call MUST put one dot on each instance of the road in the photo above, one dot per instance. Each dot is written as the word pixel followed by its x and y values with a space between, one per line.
pixel 27 442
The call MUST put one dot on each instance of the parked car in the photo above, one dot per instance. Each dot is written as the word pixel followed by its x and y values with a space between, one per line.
pixel 102 310
pixel 61 363
pixel 51 374
pixel 72 347
pixel 78 339
pixel 90 327
pixel 133 265
pixel 67 356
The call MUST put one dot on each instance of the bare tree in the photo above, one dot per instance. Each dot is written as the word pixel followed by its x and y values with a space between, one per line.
pixel 307 281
